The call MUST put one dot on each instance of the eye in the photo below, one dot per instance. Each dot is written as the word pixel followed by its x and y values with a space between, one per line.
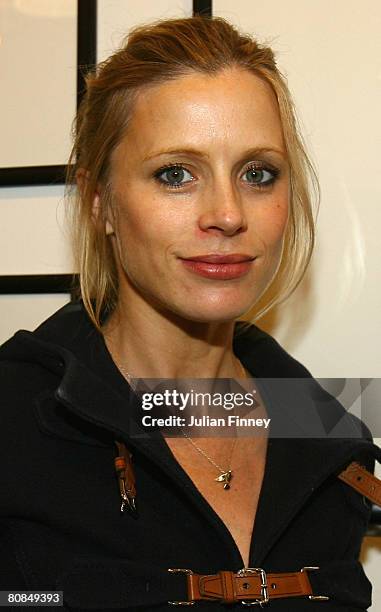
pixel 173 176
pixel 260 176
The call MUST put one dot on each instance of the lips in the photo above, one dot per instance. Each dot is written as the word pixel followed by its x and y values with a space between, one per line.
pixel 221 258
pixel 219 266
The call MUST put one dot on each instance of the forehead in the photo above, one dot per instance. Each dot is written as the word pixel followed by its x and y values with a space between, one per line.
pixel 232 109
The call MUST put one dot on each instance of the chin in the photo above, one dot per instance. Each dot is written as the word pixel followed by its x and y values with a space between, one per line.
pixel 210 312
pixel 208 306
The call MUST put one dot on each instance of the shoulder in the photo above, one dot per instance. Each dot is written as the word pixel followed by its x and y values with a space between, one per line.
pixel 31 362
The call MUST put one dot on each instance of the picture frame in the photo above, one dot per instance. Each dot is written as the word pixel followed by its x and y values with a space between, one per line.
pixel 85 51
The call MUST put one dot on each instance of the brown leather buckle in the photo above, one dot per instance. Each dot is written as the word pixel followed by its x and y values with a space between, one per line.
pixel 315 597
pixel 177 570
pixel 222 587
pixel 246 571
pixel 264 597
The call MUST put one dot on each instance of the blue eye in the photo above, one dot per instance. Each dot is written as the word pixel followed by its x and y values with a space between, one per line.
pixel 261 176
pixel 172 176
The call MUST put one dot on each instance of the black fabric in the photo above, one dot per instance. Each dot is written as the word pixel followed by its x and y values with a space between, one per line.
pixel 63 403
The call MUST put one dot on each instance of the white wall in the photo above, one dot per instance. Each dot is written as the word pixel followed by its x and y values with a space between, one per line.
pixel 331 54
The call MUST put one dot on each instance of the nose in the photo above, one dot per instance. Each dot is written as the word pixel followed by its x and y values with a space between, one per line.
pixel 223 210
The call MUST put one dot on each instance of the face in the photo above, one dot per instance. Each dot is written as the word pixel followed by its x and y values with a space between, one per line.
pixel 200 187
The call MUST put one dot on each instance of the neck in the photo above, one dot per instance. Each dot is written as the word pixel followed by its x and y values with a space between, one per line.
pixel 151 343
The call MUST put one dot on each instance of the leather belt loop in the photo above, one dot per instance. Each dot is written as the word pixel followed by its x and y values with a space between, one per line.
pixel 228 591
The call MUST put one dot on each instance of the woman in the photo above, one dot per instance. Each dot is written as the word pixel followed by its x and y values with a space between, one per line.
pixel 193 205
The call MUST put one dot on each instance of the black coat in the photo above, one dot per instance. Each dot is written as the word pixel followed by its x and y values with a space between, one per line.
pixel 61 526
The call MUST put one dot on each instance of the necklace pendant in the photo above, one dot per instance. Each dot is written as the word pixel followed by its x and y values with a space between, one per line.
pixel 225 478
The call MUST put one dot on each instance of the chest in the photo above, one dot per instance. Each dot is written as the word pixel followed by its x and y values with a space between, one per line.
pixel 236 506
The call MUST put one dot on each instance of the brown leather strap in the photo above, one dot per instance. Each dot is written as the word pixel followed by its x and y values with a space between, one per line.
pixel 230 587
pixel 363 481
pixel 355 475
pixel 126 477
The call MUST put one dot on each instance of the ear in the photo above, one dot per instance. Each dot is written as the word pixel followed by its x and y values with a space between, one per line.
pixel 96 211
pixel 82 177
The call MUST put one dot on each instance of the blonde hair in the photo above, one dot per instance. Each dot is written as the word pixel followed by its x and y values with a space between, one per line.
pixel 152 54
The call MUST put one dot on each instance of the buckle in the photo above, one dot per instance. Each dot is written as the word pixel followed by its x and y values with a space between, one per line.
pixel 177 570
pixel 248 571
pixel 315 597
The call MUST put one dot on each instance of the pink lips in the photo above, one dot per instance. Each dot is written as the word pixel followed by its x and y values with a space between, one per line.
pixel 220 266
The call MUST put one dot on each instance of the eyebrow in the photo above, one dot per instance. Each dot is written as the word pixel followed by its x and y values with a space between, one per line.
pixel 190 151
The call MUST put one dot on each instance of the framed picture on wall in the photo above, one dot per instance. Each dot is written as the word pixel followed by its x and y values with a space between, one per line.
pixel 46 46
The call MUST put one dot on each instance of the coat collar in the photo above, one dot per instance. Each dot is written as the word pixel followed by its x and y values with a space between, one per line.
pixel 70 348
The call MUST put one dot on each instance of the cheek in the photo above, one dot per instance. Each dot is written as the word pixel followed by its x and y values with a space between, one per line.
pixel 134 221
pixel 269 224
pixel 148 225
pixel 278 221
